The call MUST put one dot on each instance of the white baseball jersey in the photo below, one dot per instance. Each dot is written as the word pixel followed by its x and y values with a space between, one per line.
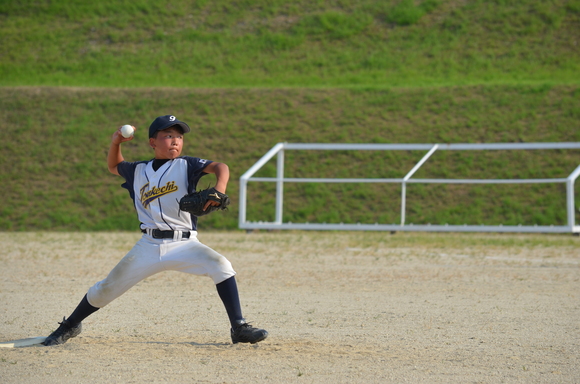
pixel 156 194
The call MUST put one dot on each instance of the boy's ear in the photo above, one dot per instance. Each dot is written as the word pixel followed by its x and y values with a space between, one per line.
pixel 152 143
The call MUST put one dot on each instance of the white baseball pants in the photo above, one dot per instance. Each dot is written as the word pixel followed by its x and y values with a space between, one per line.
pixel 150 256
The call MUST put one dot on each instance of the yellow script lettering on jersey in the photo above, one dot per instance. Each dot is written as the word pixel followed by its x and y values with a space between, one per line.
pixel 147 196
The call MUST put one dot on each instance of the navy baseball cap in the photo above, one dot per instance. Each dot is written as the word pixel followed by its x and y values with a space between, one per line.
pixel 164 122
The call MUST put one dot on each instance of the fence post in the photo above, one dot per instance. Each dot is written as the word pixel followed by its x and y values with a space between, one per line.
pixel 403 201
pixel 246 177
pixel 243 199
pixel 408 176
pixel 279 186
pixel 570 197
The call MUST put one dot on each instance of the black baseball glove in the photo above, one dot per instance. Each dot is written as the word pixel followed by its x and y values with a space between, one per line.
pixel 194 202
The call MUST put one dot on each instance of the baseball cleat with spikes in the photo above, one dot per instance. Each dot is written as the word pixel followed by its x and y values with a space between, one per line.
pixel 63 333
pixel 245 333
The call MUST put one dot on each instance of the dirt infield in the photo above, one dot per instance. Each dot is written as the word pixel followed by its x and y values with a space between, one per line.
pixel 340 308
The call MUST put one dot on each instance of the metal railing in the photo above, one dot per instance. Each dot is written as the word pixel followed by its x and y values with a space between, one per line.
pixel 278 150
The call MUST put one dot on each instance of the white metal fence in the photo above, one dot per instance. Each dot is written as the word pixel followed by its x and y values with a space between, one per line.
pixel 278 150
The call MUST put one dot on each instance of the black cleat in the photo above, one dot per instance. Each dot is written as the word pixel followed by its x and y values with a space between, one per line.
pixel 245 333
pixel 63 333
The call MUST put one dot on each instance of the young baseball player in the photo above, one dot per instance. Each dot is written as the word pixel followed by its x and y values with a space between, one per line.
pixel 169 240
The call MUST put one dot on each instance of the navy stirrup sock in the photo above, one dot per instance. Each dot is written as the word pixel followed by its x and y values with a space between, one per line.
pixel 228 292
pixel 83 310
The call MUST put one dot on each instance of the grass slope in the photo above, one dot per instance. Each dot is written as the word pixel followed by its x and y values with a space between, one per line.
pixel 276 43
pixel 54 169
pixel 248 74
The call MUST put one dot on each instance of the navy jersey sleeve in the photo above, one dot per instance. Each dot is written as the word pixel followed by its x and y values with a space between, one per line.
pixel 127 171
pixel 195 167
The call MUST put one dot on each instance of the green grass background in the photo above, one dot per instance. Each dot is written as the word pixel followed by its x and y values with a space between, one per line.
pixel 248 74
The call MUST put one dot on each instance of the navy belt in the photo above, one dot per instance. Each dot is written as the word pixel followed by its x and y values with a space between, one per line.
pixel 158 234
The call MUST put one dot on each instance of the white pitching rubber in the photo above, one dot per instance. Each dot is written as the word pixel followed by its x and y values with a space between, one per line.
pixel 22 342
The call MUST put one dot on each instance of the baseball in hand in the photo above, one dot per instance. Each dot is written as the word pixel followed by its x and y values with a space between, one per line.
pixel 127 131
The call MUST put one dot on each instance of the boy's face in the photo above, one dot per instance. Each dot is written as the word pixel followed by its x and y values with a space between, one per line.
pixel 168 143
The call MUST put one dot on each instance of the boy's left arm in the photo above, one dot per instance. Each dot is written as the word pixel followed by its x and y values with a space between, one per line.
pixel 222 175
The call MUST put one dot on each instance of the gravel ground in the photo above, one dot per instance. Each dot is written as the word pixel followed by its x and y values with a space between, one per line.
pixel 339 307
